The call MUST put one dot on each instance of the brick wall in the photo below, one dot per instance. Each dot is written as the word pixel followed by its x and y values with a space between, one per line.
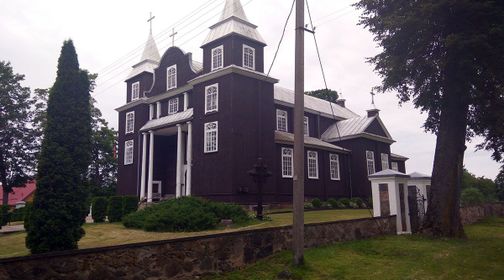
pixel 187 257
pixel 472 214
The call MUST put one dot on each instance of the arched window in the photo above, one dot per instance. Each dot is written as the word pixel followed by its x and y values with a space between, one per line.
pixel 171 79
pixel 217 57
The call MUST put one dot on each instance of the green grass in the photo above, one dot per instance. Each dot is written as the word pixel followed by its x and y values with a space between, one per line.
pixel 481 256
pixel 100 235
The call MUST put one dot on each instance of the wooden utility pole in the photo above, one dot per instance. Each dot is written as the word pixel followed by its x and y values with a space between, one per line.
pixel 298 184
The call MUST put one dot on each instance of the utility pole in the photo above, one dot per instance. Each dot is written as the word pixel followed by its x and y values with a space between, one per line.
pixel 298 180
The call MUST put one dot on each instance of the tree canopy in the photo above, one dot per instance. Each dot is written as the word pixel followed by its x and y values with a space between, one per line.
pixel 59 206
pixel 326 94
pixel 17 147
pixel 447 57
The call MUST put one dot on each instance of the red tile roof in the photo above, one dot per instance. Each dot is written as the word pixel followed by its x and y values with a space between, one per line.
pixel 19 194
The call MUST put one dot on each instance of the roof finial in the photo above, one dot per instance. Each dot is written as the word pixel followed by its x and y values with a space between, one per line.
pixel 372 98
pixel 173 36
pixel 151 18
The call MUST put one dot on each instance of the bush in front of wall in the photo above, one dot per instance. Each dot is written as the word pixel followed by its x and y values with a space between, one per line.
pixel 333 203
pixel 358 201
pixel 99 209
pixel 130 205
pixel 184 214
pixel 308 205
pixel 344 202
pixel 4 215
pixel 115 209
pixel 316 202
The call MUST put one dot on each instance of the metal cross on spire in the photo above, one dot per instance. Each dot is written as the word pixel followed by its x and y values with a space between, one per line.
pixel 173 36
pixel 372 98
pixel 151 18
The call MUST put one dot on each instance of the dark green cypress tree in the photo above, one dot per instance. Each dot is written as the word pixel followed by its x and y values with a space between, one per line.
pixel 59 208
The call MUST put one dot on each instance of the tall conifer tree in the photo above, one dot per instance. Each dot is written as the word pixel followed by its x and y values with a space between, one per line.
pixel 59 207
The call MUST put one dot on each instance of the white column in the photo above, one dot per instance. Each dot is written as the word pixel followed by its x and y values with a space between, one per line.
pixel 158 109
pixel 151 166
pixel 178 181
pixel 189 158
pixel 375 190
pixel 186 101
pixel 144 166
pixel 406 208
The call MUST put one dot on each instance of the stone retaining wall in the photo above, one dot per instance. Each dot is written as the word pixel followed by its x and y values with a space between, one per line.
pixel 472 214
pixel 185 258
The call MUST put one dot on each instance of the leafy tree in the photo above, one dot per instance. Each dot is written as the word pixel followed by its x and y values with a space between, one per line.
pixel 59 208
pixel 447 57
pixel 326 94
pixel 17 155
pixel 484 185
pixel 499 184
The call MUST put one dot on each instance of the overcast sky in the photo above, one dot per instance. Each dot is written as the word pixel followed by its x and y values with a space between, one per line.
pixel 109 37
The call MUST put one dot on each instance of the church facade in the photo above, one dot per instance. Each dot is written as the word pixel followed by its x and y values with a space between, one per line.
pixel 191 128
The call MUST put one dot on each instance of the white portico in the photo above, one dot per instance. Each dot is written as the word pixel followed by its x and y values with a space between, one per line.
pixel 175 136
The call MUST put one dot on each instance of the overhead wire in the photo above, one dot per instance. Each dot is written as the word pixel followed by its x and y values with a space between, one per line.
pixel 281 37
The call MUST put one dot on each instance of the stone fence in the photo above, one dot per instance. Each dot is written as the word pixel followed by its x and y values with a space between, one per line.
pixel 472 214
pixel 185 258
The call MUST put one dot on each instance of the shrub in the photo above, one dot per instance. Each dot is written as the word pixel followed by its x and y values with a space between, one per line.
pixel 115 207
pixel 357 200
pixel 471 196
pixel 316 203
pixel 184 214
pixel 27 213
pixel 17 214
pixel 99 210
pixel 333 203
pixel 308 205
pixel 130 204
pixel 353 205
pixel 229 211
pixel 344 202
pixel 4 217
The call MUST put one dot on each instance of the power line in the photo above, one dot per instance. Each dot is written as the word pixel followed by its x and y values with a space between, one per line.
pixel 281 37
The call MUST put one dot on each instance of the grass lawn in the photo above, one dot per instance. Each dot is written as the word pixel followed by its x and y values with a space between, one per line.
pixel 481 256
pixel 99 235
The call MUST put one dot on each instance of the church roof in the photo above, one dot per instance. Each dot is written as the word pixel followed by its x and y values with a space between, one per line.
pixel 399 157
pixel 288 138
pixel 149 61
pixel 233 20
pixel 353 127
pixel 316 105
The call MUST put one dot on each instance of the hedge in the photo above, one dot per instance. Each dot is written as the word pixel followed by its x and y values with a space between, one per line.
pixel 99 209
pixel 130 205
pixel 115 208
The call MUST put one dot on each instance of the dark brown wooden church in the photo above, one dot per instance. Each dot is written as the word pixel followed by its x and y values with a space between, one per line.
pixel 191 128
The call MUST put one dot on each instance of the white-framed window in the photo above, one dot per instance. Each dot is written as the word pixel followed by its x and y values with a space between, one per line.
pixel 306 126
pixel 281 117
pixel 370 162
pixel 384 161
pixel 171 77
pixel 287 155
pixel 152 111
pixel 130 122
pixel 135 91
pixel 312 158
pixel 334 167
pixel 212 98
pixel 395 166
pixel 211 137
pixel 217 57
pixel 248 57
pixel 173 106
pixel 128 152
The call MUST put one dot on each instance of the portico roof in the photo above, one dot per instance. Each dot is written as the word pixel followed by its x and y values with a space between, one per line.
pixel 168 120
pixel 288 138
pixel 388 173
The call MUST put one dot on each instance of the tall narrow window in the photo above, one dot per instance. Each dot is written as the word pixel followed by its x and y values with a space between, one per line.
pixel 128 152
pixel 217 57
pixel 281 120
pixel 173 106
pixel 384 161
pixel 212 98
pixel 135 91
pixel 370 162
pixel 306 126
pixel 395 166
pixel 248 57
pixel 312 165
pixel 152 111
pixel 287 154
pixel 130 122
pixel 334 169
pixel 171 77
pixel 211 137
